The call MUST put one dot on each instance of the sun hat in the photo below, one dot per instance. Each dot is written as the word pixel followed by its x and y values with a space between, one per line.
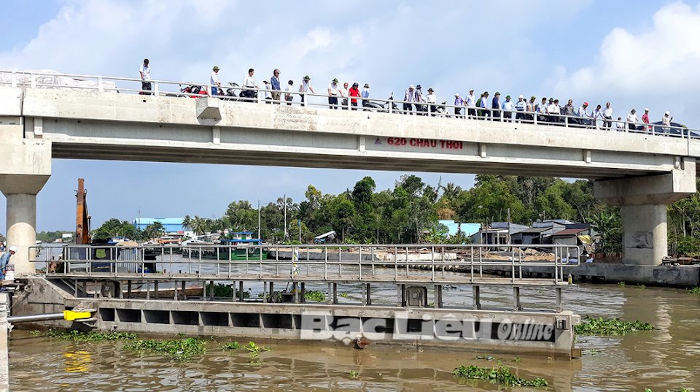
pixel 366 85
pixel 12 248
pixel 307 77
pixel 216 68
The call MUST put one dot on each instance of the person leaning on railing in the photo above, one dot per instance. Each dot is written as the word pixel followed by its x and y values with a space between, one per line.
pixel 288 96
pixel 632 120
pixel 305 87
pixel 354 91
pixel 145 73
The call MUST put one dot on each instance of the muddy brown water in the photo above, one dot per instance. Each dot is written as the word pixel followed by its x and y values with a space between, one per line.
pixel 666 358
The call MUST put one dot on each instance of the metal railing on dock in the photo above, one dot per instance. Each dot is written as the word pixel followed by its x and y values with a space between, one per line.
pixel 417 263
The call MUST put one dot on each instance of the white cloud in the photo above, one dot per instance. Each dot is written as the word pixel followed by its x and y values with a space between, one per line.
pixel 661 61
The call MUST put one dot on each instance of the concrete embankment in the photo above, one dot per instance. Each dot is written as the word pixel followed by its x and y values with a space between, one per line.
pixel 672 276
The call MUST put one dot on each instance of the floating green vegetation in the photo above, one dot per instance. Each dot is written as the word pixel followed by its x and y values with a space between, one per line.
pixel 179 349
pixel 224 290
pixel 499 374
pixel 79 336
pixel 254 351
pixel 694 290
pixel 621 284
pixel 315 296
pixel 344 295
pixel 354 374
pixel 232 346
pixel 610 326
pixel 255 348
pixel 36 332
pixel 641 286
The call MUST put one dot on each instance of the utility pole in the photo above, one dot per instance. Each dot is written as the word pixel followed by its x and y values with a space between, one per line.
pixel 508 225
pixel 259 232
pixel 285 216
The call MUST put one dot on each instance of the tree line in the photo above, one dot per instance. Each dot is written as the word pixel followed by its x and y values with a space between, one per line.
pixel 409 212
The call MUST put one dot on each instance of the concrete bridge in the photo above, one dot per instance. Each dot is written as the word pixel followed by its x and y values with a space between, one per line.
pixel 640 172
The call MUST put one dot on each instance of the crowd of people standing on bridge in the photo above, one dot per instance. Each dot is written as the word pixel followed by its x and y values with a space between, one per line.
pixel 495 108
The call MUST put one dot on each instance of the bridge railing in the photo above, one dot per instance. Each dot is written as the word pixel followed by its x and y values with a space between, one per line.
pixel 422 262
pixel 234 92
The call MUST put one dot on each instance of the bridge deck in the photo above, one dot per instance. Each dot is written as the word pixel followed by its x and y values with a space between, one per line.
pixel 452 278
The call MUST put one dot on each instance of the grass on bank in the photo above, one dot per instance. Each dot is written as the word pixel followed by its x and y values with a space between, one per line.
pixel 499 374
pixel 600 326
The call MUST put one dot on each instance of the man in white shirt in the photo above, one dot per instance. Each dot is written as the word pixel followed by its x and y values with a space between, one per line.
pixel 431 99
pixel 520 108
pixel 632 120
pixel 408 97
pixel 250 85
pixel 507 107
pixel 305 87
pixel 344 94
pixel 333 93
pixel 288 96
pixel 145 72
pixel 607 116
pixel 214 82
pixel 470 103
pixel 666 122
pixel 583 114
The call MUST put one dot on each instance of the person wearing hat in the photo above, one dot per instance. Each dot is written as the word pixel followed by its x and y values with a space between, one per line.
pixel 145 73
pixel 365 95
pixel 530 109
pixel 496 105
pixel 666 121
pixel 431 99
pixel 584 117
pixel 520 108
pixel 288 92
pixel 459 102
pixel 5 260
pixel 508 108
pixel 333 93
pixel 214 82
pixel 419 99
pixel 408 97
pixel 645 119
pixel 304 87
pixel 354 91
pixel 470 103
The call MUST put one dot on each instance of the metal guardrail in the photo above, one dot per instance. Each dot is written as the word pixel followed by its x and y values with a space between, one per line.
pixel 423 262
pixel 259 95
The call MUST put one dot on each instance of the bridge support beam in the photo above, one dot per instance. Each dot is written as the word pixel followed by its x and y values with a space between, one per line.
pixel 24 169
pixel 643 202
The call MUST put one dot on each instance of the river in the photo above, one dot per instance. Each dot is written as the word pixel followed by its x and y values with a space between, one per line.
pixel 666 358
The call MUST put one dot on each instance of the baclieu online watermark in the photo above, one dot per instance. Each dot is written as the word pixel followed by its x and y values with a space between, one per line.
pixel 323 325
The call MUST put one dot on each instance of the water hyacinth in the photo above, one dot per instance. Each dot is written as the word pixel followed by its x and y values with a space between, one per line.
pixel 500 374
pixel 610 326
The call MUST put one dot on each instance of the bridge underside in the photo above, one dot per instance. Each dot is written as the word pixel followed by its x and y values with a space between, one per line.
pixel 208 155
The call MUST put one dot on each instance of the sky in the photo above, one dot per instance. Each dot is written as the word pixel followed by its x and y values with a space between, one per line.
pixel 633 54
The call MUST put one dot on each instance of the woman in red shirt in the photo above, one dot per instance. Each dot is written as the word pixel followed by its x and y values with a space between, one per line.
pixel 354 92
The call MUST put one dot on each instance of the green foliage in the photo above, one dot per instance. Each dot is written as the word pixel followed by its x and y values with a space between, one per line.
pixel 315 296
pixel 499 374
pixel 179 349
pixel 232 346
pixel 610 326
pixel 694 290
pixel 115 228
pixel 82 337
pixel 51 236
pixel 154 230
pixel 354 374
pixel 255 348
pixel 224 290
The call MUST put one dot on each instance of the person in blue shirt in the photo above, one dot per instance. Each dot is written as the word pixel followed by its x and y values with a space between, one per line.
pixel 459 102
pixel 496 105
pixel 275 83
pixel 5 260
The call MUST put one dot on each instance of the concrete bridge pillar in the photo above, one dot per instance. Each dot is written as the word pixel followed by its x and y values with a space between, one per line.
pixel 25 166
pixel 643 205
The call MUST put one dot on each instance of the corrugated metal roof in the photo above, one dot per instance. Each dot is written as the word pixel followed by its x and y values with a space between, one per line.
pixel 568 232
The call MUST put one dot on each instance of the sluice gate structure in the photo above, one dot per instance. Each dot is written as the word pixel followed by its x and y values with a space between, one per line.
pixel 205 290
